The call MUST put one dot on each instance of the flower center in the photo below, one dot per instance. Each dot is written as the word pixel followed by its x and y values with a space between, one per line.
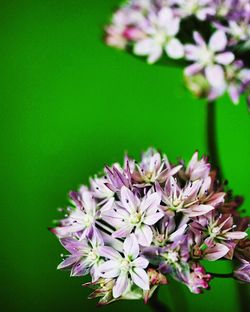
pixel 171 256
pixel 125 264
pixel 92 256
pixel 214 231
pixel 135 218
pixel 206 56
pixel 87 220
pixel 160 37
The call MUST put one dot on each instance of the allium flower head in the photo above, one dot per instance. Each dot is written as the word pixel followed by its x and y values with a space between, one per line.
pixel 207 35
pixel 140 223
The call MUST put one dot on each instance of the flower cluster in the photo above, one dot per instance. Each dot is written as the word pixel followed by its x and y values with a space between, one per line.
pixel 212 37
pixel 141 223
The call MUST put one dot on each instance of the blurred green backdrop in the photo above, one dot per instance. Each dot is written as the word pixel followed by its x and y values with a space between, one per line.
pixel 70 105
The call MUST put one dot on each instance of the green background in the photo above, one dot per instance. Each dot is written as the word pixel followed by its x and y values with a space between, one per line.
pixel 70 105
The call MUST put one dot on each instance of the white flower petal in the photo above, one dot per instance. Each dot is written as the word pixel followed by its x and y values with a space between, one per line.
pixel 198 39
pixel 215 76
pixel 144 235
pixel 140 278
pixel 151 203
pixel 193 69
pixel 120 285
pixel 191 52
pixel 109 252
pixel 128 199
pixel 153 218
pixel 172 27
pixel 224 58
pixel 131 246
pixel 174 49
pixel 144 47
pixel 140 263
pixel 165 15
pixel 109 269
pixel 218 41
pixel 155 54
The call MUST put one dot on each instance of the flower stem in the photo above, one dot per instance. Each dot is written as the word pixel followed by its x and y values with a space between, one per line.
pixel 215 162
pixel 212 138
pixel 156 305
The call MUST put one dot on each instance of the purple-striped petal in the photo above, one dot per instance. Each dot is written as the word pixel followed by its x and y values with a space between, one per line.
pixel 140 262
pixel 198 210
pixel 144 235
pixel 120 285
pixel 123 231
pixel 153 218
pixel 131 247
pixel 151 203
pixel 109 269
pixel 109 252
pixel 69 261
pixel 128 199
pixel 216 252
pixel 140 278
pixel 235 235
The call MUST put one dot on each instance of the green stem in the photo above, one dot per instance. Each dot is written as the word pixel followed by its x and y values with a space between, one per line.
pixel 212 138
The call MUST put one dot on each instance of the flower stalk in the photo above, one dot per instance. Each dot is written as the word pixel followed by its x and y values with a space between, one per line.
pixel 211 134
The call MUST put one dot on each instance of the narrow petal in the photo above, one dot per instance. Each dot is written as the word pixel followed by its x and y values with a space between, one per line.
pixel 140 278
pixel 198 210
pixel 193 69
pixel 80 269
pixel 131 246
pixel 144 235
pixel 198 39
pixel 216 252
pixel 120 285
pixel 153 218
pixel 128 199
pixel 234 93
pixel 69 261
pixel 191 52
pixel 109 252
pixel 123 231
pixel 109 269
pixel 140 262
pixel 151 203
pixel 235 235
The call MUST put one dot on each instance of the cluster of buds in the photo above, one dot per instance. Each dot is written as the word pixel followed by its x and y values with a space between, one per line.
pixel 210 37
pixel 141 223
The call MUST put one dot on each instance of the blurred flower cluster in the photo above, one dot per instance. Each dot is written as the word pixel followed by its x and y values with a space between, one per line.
pixel 139 224
pixel 211 38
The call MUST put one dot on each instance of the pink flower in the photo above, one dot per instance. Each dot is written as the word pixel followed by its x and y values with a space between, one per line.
pixel 81 219
pixel 84 256
pixel 125 267
pixel 209 57
pixel 197 279
pixel 153 168
pixel 160 35
pixel 132 213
